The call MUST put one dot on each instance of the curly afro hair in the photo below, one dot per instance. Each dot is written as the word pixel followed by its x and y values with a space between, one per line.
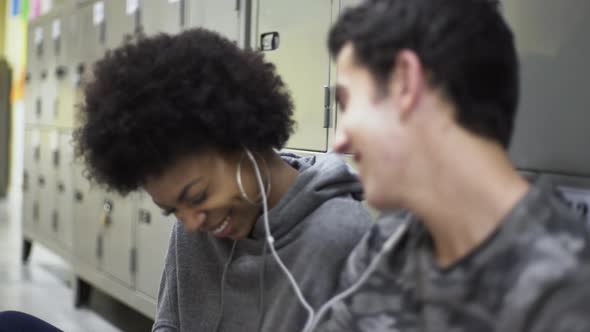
pixel 156 99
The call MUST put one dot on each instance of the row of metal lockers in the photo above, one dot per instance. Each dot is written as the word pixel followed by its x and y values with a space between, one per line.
pixel 118 244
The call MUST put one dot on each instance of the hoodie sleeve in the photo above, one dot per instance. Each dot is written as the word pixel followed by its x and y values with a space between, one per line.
pixel 167 311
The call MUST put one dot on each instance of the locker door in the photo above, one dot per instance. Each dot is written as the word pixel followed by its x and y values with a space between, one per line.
pixel 38 74
pixel 88 240
pixel 551 132
pixel 300 55
pixel 167 16
pixel 30 188
pixel 65 191
pixel 47 87
pixel 118 228
pixel 153 232
pixel 122 18
pixel 47 180
pixel 220 16
pixel 93 26
pixel 65 34
pixel 32 76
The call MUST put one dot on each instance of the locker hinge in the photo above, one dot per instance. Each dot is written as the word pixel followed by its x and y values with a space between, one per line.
pixel 327 106
pixel 133 260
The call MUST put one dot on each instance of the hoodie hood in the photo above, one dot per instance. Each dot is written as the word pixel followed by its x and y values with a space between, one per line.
pixel 321 178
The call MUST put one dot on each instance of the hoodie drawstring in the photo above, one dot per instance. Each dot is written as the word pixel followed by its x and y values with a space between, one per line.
pixel 223 276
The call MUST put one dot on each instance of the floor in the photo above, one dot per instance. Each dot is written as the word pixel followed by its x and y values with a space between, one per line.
pixel 43 288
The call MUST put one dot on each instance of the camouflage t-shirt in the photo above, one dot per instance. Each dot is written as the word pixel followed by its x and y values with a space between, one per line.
pixel 495 287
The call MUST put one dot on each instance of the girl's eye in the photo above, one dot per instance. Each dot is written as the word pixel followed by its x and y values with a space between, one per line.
pixel 199 199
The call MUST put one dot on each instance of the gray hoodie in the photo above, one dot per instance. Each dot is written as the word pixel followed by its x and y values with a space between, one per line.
pixel 219 285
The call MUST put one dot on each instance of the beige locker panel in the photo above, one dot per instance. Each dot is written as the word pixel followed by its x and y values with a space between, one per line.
pixel 121 21
pixel 299 52
pixel 30 213
pixel 66 42
pixel 152 234
pixel 117 221
pixel 47 180
pixel 65 198
pixel 93 26
pixel 551 131
pixel 48 84
pixel 32 75
pixel 163 16
pixel 219 16
pixel 87 207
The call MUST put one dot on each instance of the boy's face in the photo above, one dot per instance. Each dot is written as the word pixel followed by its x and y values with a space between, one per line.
pixel 370 127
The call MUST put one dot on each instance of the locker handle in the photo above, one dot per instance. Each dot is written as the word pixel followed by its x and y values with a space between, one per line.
pixel 60 72
pixel 80 69
pixel 61 188
pixel 41 181
pixel 108 206
pixel 55 221
pixel 25 181
pixel 28 78
pixel 44 74
pixel 327 106
pixel 56 158
pixel 145 217
pixel 78 196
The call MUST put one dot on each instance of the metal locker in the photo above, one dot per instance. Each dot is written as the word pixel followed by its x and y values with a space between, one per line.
pixel 35 62
pixel 302 59
pixel 551 129
pixel 65 38
pixel 31 77
pixel 167 16
pixel 221 16
pixel 93 26
pixel 47 84
pixel 152 235
pixel 117 226
pixel 88 240
pixel 64 189
pixel 123 20
pixel 47 181
pixel 30 189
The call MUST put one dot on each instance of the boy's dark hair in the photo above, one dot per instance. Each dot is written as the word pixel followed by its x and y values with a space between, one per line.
pixel 154 100
pixel 465 46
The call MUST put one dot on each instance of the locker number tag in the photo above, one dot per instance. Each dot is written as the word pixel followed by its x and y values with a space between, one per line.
pixel 38 35
pixel 98 13
pixel 132 6
pixel 579 200
pixel 269 41
pixel 56 29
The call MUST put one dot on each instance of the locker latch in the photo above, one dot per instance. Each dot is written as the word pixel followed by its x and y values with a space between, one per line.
pixel 145 217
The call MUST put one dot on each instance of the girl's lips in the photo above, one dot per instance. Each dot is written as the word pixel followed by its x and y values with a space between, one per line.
pixel 225 228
